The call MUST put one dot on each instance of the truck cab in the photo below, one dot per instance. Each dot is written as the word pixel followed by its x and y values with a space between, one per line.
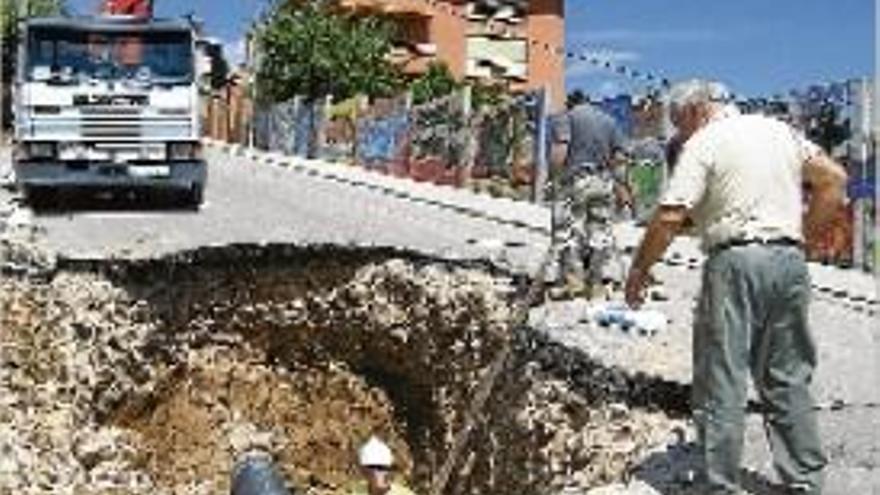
pixel 106 103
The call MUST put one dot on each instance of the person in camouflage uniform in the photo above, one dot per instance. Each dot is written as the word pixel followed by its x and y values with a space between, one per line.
pixel 587 174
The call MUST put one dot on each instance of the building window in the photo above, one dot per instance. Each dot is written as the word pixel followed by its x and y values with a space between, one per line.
pixel 511 10
pixel 490 57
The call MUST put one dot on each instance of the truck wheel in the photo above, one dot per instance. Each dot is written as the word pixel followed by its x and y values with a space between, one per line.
pixel 40 197
pixel 196 196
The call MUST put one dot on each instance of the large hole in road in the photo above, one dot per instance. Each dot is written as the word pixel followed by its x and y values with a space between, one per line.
pixel 152 377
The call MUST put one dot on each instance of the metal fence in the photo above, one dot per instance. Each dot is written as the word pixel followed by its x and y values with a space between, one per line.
pixel 446 141
pixel 501 149
pixel 292 127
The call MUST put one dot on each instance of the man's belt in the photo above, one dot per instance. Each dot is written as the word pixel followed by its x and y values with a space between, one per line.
pixel 778 241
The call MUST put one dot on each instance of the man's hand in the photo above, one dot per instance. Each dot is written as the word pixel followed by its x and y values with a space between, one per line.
pixel 664 225
pixel 624 196
pixel 635 288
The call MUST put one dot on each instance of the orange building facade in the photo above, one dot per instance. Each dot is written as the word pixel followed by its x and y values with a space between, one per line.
pixel 511 41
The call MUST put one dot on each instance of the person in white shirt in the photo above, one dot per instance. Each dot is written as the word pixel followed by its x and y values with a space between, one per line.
pixel 739 180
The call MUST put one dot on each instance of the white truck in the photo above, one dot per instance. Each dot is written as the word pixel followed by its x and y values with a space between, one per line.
pixel 107 103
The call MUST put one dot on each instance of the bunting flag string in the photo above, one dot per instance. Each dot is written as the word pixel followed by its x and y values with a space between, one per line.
pixel 653 82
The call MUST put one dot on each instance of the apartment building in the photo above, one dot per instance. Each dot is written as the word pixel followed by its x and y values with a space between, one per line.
pixel 510 41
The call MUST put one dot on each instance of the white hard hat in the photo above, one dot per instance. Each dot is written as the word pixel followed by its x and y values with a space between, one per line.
pixel 375 453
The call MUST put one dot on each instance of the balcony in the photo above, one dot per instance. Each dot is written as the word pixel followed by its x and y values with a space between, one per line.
pixel 509 11
pixel 413 59
pixel 395 8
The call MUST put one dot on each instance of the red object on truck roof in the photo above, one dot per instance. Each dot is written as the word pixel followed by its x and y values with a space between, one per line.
pixel 138 8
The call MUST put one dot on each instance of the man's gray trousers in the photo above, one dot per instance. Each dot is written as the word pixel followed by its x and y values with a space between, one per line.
pixel 753 317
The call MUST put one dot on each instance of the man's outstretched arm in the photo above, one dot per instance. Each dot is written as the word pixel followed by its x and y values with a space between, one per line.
pixel 666 223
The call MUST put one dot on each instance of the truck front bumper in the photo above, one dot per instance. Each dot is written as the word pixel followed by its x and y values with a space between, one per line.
pixel 183 175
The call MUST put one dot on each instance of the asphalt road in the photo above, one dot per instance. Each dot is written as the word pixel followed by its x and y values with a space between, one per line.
pixel 305 203
pixel 251 203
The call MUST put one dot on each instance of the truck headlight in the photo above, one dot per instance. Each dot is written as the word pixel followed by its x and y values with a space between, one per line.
pixel 184 151
pixel 36 151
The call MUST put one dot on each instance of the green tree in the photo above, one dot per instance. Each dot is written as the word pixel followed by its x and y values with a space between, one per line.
pixel 11 11
pixel 826 129
pixel 436 82
pixel 309 49
pixel 489 95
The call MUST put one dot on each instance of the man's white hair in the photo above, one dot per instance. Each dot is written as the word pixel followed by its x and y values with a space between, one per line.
pixel 696 92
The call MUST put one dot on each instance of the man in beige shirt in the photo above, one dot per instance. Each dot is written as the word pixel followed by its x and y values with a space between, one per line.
pixel 739 179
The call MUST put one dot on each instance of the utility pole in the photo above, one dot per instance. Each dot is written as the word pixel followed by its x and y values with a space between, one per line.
pixel 862 165
pixel 875 142
pixel 542 124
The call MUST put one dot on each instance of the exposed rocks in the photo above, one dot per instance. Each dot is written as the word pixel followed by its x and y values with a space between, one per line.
pixel 68 348
pixel 20 250
pixel 152 379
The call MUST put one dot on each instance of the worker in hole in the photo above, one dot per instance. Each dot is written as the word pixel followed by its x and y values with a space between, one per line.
pixel 588 175
pixel 739 179
pixel 377 468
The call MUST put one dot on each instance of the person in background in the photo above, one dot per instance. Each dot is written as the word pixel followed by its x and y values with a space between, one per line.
pixel 587 172
pixel 739 178
pixel 256 474
pixel 377 467
pixel 673 151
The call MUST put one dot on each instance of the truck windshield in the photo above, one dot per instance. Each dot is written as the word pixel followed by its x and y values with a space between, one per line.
pixel 68 54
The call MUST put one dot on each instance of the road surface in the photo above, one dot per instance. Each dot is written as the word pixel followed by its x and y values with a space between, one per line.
pixel 260 198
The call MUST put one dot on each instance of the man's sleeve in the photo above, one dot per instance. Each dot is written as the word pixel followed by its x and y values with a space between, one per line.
pixel 688 183
pixel 561 129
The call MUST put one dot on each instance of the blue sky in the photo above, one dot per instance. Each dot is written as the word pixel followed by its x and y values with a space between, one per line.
pixel 759 47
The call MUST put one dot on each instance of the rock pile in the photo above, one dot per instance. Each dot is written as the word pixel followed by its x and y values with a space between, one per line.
pixel 153 381
pixel 70 349
pixel 20 251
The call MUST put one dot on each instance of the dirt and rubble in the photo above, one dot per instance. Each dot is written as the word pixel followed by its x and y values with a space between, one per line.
pixel 152 377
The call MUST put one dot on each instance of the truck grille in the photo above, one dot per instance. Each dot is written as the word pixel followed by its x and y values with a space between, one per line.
pixel 110 129
pixel 111 111
pixel 112 124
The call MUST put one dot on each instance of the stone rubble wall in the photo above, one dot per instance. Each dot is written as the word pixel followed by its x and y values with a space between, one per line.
pixel 106 365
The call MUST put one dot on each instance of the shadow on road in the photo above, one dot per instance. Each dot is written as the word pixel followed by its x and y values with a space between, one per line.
pixel 58 203
pixel 672 473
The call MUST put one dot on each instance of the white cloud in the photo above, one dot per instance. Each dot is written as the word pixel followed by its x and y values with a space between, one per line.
pixel 235 51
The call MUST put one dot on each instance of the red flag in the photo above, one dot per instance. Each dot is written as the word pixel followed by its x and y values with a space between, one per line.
pixel 139 8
